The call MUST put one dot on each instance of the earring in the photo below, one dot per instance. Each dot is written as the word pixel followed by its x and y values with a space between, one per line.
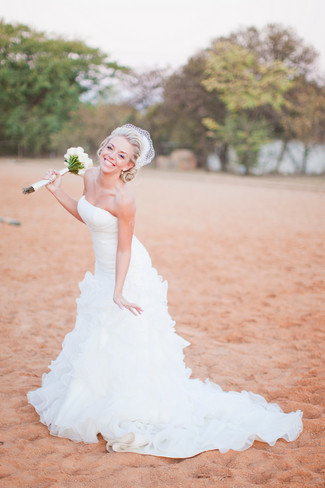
pixel 122 171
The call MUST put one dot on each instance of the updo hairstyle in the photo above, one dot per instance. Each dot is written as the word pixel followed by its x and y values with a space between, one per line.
pixel 135 139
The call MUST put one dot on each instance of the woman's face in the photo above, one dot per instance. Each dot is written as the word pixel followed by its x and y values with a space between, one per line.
pixel 116 155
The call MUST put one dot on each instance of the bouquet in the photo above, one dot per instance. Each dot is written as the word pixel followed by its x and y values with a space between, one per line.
pixel 76 160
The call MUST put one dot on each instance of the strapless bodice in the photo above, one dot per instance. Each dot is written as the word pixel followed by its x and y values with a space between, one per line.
pixel 104 230
pixel 96 218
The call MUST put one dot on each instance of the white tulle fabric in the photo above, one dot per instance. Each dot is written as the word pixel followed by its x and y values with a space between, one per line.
pixel 124 376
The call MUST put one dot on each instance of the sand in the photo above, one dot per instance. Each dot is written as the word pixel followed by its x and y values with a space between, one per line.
pixel 244 258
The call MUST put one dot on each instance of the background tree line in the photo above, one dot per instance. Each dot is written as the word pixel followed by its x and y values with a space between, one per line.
pixel 242 91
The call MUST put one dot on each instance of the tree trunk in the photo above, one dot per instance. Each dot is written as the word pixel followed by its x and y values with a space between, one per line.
pixel 280 156
pixel 246 164
pixel 305 158
pixel 248 161
pixel 223 155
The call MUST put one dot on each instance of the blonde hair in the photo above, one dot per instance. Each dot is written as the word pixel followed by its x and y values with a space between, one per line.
pixel 134 138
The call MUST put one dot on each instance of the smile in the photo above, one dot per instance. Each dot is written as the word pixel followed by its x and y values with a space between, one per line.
pixel 109 163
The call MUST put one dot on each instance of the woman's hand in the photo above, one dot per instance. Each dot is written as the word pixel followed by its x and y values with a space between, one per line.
pixel 123 303
pixel 55 179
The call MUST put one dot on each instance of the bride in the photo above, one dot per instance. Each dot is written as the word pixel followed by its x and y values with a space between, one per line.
pixel 121 371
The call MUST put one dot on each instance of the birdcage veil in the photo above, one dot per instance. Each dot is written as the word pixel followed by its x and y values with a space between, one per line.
pixel 147 151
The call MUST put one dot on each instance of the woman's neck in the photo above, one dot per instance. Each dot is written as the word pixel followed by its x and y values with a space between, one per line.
pixel 109 182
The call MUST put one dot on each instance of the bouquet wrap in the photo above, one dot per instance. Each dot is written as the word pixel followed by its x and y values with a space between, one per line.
pixel 77 162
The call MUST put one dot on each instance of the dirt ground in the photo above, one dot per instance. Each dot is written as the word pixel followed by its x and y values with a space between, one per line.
pixel 244 259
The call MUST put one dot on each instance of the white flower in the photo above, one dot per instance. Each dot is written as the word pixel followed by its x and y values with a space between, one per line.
pixel 74 151
pixel 70 152
pixel 87 163
pixel 83 157
pixel 79 151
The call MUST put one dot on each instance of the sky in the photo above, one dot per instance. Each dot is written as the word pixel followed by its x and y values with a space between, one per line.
pixel 164 33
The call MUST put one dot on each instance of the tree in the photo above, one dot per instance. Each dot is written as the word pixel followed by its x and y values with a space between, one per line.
pixel 42 80
pixel 245 85
pixel 90 124
pixel 177 121
pixel 276 42
pixel 302 117
pixel 143 88
pixel 243 133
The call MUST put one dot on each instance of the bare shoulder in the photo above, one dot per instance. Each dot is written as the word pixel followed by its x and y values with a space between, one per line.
pixel 125 204
pixel 90 173
pixel 89 177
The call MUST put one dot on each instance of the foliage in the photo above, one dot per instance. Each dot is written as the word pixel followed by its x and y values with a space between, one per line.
pixel 241 81
pixel 90 124
pixel 245 85
pixel 239 92
pixel 243 133
pixel 248 87
pixel 302 115
pixel 42 80
pixel 143 88
pixel 177 121
pixel 305 119
pixel 276 42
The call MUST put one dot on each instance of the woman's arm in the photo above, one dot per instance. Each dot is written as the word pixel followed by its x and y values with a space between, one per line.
pixel 126 215
pixel 62 197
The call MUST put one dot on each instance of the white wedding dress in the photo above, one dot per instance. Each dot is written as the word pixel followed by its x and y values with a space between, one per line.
pixel 124 376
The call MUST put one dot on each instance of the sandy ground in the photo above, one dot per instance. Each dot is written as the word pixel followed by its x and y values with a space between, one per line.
pixel 244 259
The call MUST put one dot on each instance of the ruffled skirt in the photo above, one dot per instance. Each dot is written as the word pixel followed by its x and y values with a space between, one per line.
pixel 124 377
